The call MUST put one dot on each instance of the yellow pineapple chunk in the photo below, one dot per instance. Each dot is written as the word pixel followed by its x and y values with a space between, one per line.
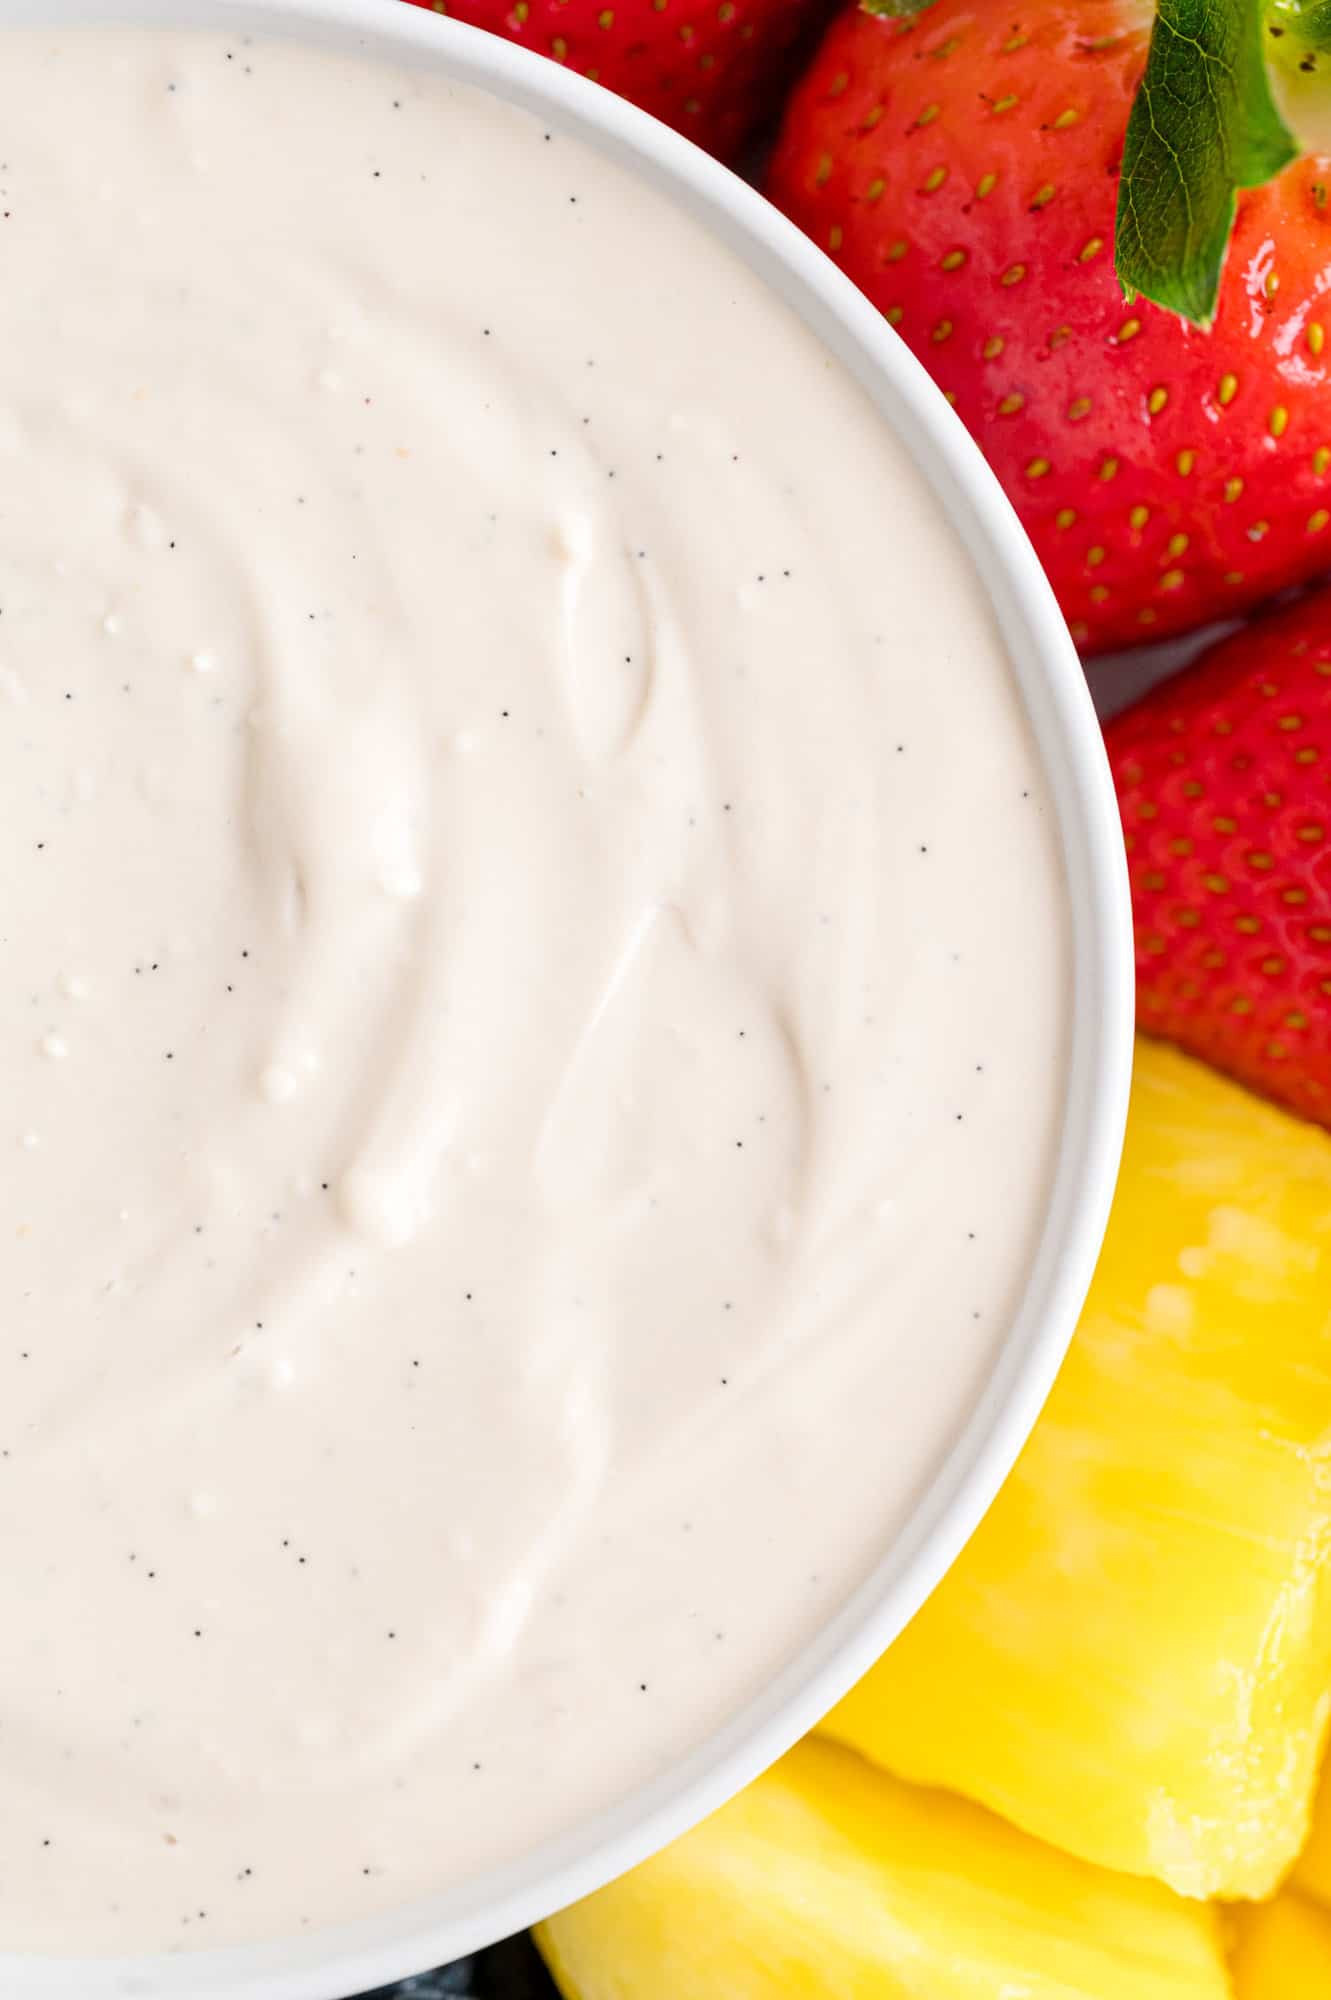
pixel 828 1880
pixel 1313 1873
pixel 1131 1657
pixel 1282 1951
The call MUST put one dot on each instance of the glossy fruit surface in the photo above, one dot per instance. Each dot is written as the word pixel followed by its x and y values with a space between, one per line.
pixel 828 1880
pixel 1282 1951
pixel 962 167
pixel 714 69
pixel 1224 784
pixel 1130 1659
pixel 1313 1871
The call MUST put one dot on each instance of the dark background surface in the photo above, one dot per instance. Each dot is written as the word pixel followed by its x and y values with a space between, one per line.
pixel 511 1971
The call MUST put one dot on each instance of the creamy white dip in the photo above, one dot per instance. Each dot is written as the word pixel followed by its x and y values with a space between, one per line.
pixel 533 987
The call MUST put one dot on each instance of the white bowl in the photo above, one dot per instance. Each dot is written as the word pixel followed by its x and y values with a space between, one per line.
pixel 333 1963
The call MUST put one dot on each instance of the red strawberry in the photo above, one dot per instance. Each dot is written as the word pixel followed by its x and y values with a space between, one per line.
pixel 714 69
pixel 1224 783
pixel 963 168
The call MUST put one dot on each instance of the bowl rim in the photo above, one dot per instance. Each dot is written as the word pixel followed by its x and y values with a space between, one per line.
pixel 333 1962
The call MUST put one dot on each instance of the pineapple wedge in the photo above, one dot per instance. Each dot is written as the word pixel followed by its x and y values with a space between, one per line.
pixel 1130 1658
pixel 828 1880
pixel 1313 1872
pixel 1282 1951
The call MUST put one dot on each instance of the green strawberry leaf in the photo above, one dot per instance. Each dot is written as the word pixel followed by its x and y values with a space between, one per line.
pixel 894 10
pixel 1203 125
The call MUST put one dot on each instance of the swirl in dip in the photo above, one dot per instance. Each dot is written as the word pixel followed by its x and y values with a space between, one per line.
pixel 535 986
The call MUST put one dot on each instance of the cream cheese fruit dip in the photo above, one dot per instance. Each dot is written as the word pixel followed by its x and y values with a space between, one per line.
pixel 535 987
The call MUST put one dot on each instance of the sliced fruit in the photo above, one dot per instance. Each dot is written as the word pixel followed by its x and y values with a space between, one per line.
pixel 828 1880
pixel 1130 1658
pixel 1282 1951
pixel 1313 1872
